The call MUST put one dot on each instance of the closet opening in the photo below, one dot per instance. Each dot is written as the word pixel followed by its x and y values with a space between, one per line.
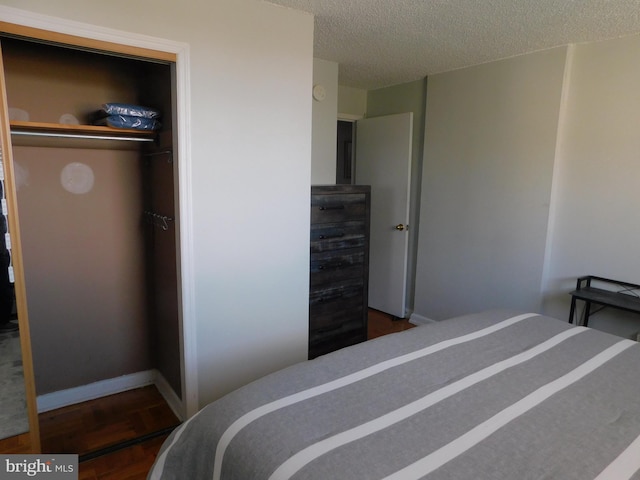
pixel 98 210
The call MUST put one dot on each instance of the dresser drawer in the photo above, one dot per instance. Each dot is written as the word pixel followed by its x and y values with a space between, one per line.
pixel 336 266
pixel 324 301
pixel 330 343
pixel 332 322
pixel 336 236
pixel 337 207
pixel 349 328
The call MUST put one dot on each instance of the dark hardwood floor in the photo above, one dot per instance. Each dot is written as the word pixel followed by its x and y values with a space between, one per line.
pixel 380 323
pixel 132 463
pixel 90 429
pixel 99 424
pixel 98 430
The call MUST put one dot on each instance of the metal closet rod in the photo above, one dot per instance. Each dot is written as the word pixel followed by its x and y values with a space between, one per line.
pixel 81 135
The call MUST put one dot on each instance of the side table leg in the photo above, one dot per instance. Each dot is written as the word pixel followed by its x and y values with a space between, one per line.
pixel 573 309
pixel 587 309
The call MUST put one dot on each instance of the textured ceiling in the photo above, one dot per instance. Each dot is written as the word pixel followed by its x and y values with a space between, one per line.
pixel 378 43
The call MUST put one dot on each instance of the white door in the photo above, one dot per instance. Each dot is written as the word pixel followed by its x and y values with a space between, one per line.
pixel 383 160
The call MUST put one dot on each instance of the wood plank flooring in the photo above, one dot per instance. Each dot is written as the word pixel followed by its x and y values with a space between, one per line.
pixel 380 323
pixel 90 428
pixel 132 463
pixel 18 444
pixel 97 424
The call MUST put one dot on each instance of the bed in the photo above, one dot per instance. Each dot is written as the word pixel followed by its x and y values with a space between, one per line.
pixel 495 395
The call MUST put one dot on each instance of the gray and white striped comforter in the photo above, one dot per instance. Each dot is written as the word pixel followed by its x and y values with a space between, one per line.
pixel 491 396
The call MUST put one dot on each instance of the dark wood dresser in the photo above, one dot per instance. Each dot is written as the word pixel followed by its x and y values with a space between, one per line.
pixel 339 277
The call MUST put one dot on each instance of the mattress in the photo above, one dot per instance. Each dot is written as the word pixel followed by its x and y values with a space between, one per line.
pixel 495 395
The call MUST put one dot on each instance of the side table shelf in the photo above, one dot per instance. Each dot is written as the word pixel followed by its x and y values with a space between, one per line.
pixel 623 299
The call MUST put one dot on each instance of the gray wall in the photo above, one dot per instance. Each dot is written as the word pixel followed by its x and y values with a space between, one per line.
pixel 490 141
pixel 530 180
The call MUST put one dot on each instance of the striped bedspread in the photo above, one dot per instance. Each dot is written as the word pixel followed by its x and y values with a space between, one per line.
pixel 490 396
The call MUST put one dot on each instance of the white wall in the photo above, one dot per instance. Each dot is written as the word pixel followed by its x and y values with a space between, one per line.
pixel 597 186
pixel 325 118
pixel 251 67
pixel 490 141
pixel 352 103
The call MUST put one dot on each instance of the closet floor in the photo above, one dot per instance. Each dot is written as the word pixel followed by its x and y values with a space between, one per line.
pixel 98 426
pixel 132 463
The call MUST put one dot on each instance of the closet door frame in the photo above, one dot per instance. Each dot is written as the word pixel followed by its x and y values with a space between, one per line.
pixel 60 31
pixel 16 260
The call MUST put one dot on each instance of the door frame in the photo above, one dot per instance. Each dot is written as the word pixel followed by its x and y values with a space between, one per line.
pixel 118 41
pixel 353 120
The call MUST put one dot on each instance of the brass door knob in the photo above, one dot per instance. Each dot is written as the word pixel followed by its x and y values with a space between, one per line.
pixel 401 227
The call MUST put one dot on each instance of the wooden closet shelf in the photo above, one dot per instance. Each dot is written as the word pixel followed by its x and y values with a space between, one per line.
pixel 80 131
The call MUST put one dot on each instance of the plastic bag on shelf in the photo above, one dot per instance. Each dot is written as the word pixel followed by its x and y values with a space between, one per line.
pixel 125 121
pixel 129 110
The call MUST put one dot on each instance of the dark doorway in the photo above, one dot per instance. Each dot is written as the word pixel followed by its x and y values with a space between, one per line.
pixel 344 154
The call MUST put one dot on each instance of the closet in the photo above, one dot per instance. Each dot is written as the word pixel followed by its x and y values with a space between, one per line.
pixel 95 216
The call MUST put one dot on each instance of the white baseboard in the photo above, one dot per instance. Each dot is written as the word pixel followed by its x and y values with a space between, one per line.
pixel 170 396
pixel 83 393
pixel 420 320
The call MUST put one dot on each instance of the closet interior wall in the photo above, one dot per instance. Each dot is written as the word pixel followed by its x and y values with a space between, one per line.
pixel 101 279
